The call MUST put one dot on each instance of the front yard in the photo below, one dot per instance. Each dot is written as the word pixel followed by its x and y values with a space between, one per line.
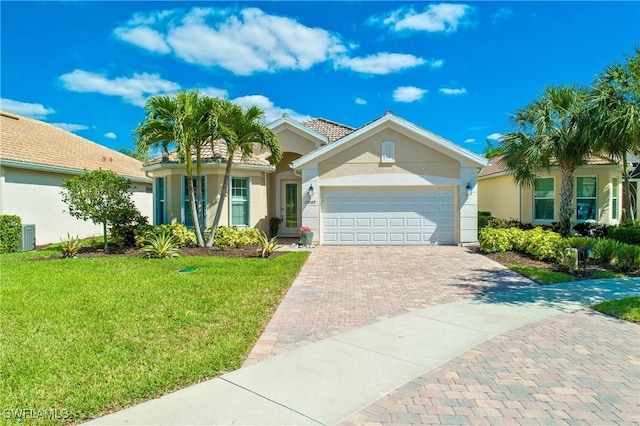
pixel 82 337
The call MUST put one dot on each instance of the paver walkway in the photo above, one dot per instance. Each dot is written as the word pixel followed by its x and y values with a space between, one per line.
pixel 342 288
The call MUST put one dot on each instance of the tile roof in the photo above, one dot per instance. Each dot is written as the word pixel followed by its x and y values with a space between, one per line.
pixel 332 130
pixel 496 165
pixel 214 154
pixel 31 141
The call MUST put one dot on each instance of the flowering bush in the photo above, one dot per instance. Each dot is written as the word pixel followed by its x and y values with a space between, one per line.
pixel 305 229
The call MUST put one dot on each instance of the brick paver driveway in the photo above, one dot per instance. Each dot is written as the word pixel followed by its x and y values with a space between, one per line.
pixel 576 368
pixel 344 287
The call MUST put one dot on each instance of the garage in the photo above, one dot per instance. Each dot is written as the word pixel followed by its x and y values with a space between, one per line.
pixel 388 216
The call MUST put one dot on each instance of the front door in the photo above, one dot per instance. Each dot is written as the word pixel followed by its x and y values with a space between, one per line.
pixel 290 210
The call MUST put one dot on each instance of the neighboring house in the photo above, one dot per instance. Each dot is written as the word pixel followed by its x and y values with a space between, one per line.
pixel 35 159
pixel 597 193
pixel 387 182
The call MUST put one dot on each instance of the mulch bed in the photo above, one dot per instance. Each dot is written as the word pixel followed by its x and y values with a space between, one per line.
pixel 241 252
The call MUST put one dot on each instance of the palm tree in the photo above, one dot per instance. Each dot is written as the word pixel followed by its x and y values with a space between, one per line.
pixel 140 156
pixel 183 121
pixel 240 130
pixel 548 133
pixel 615 116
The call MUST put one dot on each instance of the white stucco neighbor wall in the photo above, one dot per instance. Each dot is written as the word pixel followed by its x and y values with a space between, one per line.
pixel 311 205
pixel 35 197
pixel 468 206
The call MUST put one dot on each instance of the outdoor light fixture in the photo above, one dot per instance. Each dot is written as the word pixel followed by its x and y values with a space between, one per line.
pixel 469 189
pixel 310 191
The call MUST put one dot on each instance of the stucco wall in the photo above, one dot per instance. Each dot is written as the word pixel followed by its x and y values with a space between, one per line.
pixel 411 157
pixel 499 195
pixel 35 197
pixel 293 142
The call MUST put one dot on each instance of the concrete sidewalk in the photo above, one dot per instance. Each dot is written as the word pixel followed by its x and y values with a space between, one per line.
pixel 328 381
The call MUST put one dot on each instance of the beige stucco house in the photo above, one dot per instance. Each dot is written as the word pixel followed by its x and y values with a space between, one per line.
pixel 387 182
pixel 597 193
pixel 35 159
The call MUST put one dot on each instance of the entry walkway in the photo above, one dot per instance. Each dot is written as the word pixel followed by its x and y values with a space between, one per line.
pixel 344 377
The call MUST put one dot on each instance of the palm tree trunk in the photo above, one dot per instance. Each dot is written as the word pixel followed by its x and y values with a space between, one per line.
pixel 627 211
pixel 223 196
pixel 566 200
pixel 194 211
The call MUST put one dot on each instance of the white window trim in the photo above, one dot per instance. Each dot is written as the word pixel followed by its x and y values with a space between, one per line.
pixel 230 206
pixel 533 204
pixel 586 198
pixel 384 150
pixel 614 219
pixel 183 196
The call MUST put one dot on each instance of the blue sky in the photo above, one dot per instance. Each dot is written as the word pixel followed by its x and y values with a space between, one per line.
pixel 458 69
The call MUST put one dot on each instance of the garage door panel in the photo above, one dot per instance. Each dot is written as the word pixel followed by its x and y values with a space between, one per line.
pixel 389 216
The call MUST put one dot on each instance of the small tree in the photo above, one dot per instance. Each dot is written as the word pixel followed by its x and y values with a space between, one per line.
pixel 100 196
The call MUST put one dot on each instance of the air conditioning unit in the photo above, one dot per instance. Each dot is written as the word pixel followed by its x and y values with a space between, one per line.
pixel 28 238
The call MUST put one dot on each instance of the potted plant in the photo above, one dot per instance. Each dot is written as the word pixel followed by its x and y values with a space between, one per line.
pixel 306 236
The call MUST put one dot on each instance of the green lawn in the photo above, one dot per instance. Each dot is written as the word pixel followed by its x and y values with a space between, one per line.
pixel 627 309
pixel 541 275
pixel 88 336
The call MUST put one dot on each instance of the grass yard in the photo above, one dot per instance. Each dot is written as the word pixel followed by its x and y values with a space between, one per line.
pixel 82 337
pixel 627 309
pixel 542 276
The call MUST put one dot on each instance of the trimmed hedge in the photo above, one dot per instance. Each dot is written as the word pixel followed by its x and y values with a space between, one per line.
pixel 10 232
pixel 625 234
pixel 540 243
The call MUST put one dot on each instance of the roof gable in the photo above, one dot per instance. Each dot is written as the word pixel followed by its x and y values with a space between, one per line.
pixel 389 120
pixel 286 122
pixel 32 142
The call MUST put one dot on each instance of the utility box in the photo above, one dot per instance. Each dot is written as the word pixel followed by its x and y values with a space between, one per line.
pixel 28 238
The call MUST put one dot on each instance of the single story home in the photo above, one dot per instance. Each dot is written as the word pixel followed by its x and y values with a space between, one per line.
pixel 597 193
pixel 35 159
pixel 387 182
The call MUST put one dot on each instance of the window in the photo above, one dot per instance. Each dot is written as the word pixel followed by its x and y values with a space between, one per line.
pixel 543 199
pixel 187 218
pixel 240 201
pixel 614 199
pixel 160 213
pixel 388 152
pixel 586 202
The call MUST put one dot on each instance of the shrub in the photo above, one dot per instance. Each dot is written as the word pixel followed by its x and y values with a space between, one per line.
pixel 235 237
pixel 581 242
pixel 10 232
pixel 628 257
pixel 625 234
pixel 274 225
pixel 605 250
pixel 544 244
pixel 124 225
pixel 183 236
pixel 494 240
pixel 70 247
pixel 268 245
pixel 483 219
pixel 591 229
pixel 161 246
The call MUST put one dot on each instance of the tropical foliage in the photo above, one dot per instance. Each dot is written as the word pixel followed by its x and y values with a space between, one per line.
pixel 161 246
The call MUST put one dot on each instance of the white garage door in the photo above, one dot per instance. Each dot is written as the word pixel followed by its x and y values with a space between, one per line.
pixel 380 216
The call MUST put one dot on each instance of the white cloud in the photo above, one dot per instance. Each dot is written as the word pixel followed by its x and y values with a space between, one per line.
pixel 144 37
pixel 503 14
pixel 242 42
pixel 110 135
pixel 452 91
pixel 380 63
pixel 133 90
pixel 70 127
pixel 470 140
pixel 214 92
pixel 495 136
pixel 272 112
pixel 37 111
pixel 408 94
pixel 442 17
pixel 360 101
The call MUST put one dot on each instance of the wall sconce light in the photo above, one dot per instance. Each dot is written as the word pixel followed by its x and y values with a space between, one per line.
pixel 310 191
pixel 469 189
